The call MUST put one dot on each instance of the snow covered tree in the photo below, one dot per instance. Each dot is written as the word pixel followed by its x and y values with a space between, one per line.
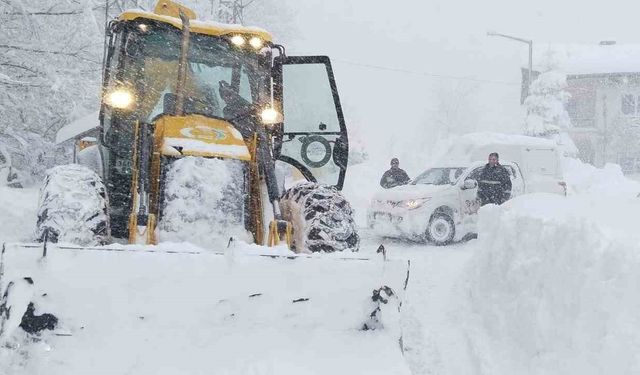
pixel 546 113
pixel 51 56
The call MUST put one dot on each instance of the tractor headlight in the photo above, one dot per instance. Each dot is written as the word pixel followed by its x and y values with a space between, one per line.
pixel 256 42
pixel 412 204
pixel 270 116
pixel 120 98
pixel 238 40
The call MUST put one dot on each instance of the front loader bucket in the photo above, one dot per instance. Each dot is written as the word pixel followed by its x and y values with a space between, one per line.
pixel 159 310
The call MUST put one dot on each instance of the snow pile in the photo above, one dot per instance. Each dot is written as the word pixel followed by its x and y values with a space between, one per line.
pixel 585 178
pixel 554 286
pixel 18 213
pixel 361 183
pixel 183 313
pixel 204 202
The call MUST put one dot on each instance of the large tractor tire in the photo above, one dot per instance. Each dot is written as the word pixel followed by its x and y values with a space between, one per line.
pixel 322 219
pixel 73 207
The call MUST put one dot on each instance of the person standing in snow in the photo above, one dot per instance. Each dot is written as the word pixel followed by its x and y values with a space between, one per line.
pixel 394 176
pixel 494 183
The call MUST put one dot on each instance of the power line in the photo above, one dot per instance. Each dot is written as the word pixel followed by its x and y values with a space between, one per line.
pixel 441 76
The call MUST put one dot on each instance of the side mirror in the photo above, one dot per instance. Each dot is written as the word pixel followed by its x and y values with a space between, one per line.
pixel 469 184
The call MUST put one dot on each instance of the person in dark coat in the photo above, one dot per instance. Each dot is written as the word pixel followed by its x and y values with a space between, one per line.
pixel 494 183
pixel 394 176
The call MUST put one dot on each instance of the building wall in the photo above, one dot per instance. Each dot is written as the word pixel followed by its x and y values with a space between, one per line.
pixel 604 129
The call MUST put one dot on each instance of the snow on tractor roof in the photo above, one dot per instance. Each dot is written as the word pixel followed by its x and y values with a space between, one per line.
pixel 200 27
pixel 586 59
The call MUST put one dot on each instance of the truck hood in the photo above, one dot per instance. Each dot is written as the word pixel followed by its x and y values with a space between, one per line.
pixel 410 192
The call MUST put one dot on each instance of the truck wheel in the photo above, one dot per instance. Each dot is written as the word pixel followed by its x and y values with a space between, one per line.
pixel 322 219
pixel 441 229
pixel 73 207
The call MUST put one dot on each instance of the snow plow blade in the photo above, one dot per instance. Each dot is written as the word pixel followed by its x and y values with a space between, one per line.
pixel 176 310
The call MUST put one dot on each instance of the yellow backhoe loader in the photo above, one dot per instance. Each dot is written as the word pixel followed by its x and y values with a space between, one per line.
pixel 202 125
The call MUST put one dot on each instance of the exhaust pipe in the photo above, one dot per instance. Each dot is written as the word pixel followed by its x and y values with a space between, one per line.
pixel 182 66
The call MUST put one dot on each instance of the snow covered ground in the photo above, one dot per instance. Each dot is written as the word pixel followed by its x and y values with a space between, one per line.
pixel 18 209
pixel 547 288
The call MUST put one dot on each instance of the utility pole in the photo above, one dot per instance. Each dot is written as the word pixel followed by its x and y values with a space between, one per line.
pixel 232 11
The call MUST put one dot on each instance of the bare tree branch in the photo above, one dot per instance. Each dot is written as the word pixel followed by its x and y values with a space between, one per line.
pixel 20 67
pixel 76 55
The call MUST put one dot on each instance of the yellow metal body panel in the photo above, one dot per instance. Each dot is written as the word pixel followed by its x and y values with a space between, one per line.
pixel 171 9
pixel 199 27
pixel 195 135
pixel 135 168
pixel 255 195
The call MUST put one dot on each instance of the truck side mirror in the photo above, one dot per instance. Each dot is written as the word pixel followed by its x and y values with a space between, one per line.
pixel 469 184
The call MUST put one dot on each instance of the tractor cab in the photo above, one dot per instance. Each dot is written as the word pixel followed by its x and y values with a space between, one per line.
pixel 192 88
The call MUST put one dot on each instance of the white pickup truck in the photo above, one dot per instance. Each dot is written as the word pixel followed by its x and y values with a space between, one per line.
pixel 441 205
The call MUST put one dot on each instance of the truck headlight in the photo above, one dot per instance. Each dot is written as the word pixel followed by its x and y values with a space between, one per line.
pixel 120 98
pixel 412 204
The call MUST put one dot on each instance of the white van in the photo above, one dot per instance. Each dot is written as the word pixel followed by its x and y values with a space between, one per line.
pixel 538 158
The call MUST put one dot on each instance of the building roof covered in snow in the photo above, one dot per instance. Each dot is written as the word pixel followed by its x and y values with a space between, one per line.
pixel 78 127
pixel 607 57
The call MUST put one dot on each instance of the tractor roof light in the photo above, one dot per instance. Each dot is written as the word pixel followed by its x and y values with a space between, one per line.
pixel 256 42
pixel 238 40
pixel 120 98
pixel 270 116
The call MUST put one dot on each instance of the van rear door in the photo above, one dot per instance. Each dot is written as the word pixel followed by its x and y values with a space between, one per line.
pixel 541 161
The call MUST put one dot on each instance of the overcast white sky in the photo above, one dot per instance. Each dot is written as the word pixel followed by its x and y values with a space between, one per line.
pixel 442 37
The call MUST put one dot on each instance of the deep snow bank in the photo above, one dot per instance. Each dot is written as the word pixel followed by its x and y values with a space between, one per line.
pixel 585 178
pixel 142 310
pixel 17 213
pixel 554 286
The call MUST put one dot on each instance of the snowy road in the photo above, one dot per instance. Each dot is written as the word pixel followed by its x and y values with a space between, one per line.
pixel 434 340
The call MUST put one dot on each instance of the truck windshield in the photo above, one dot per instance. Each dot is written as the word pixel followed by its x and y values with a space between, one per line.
pixel 438 176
